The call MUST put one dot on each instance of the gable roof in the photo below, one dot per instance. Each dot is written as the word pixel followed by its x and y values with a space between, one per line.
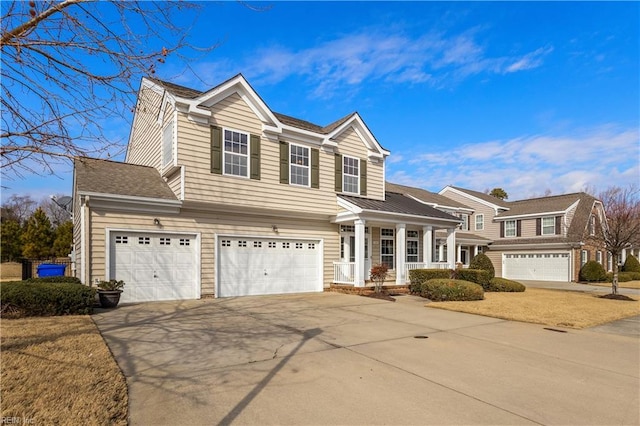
pixel 116 178
pixel 542 205
pixel 425 196
pixel 482 196
pixel 399 204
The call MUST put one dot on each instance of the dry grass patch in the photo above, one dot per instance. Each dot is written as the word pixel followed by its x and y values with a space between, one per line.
pixel 10 271
pixel 548 307
pixel 58 370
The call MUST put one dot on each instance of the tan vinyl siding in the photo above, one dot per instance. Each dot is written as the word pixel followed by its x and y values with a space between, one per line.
pixel 144 146
pixel 350 144
pixel 268 192
pixel 491 228
pixel 175 183
pixel 529 228
pixel 208 225
pixel 496 259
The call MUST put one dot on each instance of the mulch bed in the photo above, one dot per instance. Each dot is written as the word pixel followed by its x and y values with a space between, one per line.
pixel 381 296
pixel 617 297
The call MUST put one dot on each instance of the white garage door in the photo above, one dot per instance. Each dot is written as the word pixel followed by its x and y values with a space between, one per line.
pixel 154 266
pixel 253 266
pixel 537 266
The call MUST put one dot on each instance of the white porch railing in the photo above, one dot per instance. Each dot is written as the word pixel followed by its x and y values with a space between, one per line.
pixel 439 265
pixel 344 272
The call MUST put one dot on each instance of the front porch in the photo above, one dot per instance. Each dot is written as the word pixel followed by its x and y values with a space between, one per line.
pixel 344 272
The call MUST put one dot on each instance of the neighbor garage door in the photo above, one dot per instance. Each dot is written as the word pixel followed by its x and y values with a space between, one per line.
pixel 537 266
pixel 154 266
pixel 253 266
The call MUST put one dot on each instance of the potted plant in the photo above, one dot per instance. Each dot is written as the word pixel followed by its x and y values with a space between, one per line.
pixel 109 293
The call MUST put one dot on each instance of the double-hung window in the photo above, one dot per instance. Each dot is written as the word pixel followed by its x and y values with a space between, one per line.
pixel 386 247
pixel 479 222
pixel 298 165
pixel 548 225
pixel 351 175
pixel 236 153
pixel 412 246
pixel 510 228
pixel 464 226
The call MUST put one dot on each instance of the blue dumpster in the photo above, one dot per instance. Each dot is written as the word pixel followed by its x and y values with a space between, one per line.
pixel 51 270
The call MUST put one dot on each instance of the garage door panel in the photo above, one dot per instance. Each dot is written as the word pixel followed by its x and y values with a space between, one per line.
pixel 537 266
pixel 254 266
pixel 154 266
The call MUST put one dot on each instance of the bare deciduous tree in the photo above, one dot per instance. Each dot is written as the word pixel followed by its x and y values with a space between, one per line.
pixel 70 71
pixel 621 229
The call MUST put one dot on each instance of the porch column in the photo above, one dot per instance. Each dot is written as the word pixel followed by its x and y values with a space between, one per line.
pixel 359 272
pixel 624 255
pixel 441 252
pixel 458 253
pixel 451 247
pixel 401 250
pixel 427 245
pixel 475 250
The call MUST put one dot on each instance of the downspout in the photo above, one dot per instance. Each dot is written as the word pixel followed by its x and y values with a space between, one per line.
pixel 83 240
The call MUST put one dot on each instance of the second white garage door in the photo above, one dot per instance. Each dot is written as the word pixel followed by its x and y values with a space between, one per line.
pixel 254 266
pixel 537 266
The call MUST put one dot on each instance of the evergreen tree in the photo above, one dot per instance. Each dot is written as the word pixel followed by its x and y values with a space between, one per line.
pixel 11 243
pixel 499 193
pixel 37 237
pixel 63 239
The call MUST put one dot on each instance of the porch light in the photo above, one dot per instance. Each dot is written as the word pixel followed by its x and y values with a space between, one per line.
pixel 274 228
pixel 156 221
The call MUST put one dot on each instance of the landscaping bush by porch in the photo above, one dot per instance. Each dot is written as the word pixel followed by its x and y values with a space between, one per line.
pixel 503 284
pixel 446 289
pixel 592 271
pixel 624 277
pixel 55 280
pixel 478 276
pixel 30 299
pixel 482 261
pixel 631 264
pixel 420 276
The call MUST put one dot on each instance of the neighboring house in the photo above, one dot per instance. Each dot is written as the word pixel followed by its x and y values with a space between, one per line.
pixel 220 196
pixel 544 238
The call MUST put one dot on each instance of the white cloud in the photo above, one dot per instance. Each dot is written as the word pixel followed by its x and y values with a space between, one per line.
pixel 528 165
pixel 329 67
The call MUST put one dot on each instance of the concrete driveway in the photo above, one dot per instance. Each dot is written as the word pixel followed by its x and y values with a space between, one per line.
pixel 339 359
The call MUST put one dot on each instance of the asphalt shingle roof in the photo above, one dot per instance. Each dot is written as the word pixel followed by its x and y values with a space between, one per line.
pixel 424 195
pixel 549 204
pixel 398 203
pixel 485 197
pixel 112 177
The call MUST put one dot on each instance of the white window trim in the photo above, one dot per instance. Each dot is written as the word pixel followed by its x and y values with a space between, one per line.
pixel 515 228
pixel 592 225
pixel 553 226
pixel 308 166
pixel 174 137
pixel 344 157
pixel 393 240
pixel 464 226
pixel 481 217
pixel 247 155
pixel 583 257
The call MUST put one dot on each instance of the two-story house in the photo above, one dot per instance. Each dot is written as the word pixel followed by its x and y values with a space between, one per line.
pixel 221 196
pixel 544 238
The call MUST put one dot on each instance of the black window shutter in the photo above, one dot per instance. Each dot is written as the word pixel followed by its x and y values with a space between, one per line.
pixel 501 229
pixel 363 177
pixel 315 168
pixel 518 228
pixel 539 226
pixel 558 225
pixel 255 157
pixel 284 162
pixel 338 170
pixel 216 150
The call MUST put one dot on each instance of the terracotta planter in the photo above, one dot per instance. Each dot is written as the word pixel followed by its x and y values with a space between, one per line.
pixel 109 298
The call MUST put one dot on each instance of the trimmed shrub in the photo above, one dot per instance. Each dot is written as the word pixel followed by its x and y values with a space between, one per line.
pixel 503 284
pixel 631 264
pixel 446 289
pixel 55 280
pixel 27 299
pixel 420 276
pixel 482 261
pixel 477 276
pixel 624 277
pixel 592 271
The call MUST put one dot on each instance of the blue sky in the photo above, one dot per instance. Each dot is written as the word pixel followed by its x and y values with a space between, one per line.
pixel 533 97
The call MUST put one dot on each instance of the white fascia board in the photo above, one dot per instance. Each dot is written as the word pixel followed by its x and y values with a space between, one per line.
pixel 363 132
pixel 131 203
pixel 300 135
pixel 530 215
pixel 343 217
pixel 352 208
pixel 471 197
